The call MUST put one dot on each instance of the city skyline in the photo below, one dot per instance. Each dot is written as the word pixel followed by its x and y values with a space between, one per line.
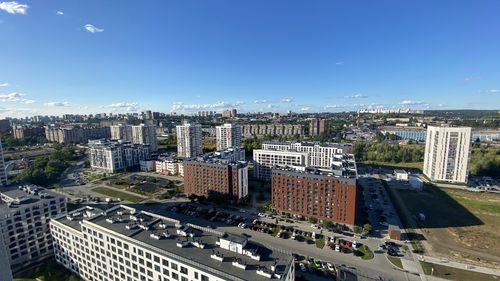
pixel 189 56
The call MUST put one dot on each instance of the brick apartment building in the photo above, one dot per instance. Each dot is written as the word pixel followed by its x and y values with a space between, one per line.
pixel 216 179
pixel 221 174
pixel 311 192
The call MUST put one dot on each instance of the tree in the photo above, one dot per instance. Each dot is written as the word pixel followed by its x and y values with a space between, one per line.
pixel 313 220
pixel 357 229
pixel 367 228
pixel 328 224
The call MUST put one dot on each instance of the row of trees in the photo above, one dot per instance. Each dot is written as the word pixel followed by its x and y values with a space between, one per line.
pixel 8 141
pixel 47 169
pixel 385 152
pixel 485 161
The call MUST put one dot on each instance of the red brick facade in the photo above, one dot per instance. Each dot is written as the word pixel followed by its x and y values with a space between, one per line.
pixel 211 180
pixel 320 196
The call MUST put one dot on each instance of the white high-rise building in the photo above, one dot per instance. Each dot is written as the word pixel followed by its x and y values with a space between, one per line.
pixel 121 132
pixel 137 134
pixel 3 172
pixel 145 134
pixel 24 224
pixel 189 140
pixel 126 243
pixel 447 152
pixel 228 135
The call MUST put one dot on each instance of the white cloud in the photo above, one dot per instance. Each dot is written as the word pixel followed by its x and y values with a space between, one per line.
pixel 339 63
pixel 13 7
pixel 261 101
pixel 127 106
pixel 306 108
pixel 411 102
pixel 287 100
pixel 60 13
pixel 57 104
pixel 92 28
pixel 491 91
pixel 15 97
pixel 356 96
pixel 180 106
pixel 4 84
pixel 334 106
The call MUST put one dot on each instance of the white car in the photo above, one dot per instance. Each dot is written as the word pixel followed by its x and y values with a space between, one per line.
pixel 302 267
pixel 330 267
pixel 314 226
pixel 261 215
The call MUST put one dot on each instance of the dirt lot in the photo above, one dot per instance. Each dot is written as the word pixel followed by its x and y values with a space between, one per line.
pixel 459 224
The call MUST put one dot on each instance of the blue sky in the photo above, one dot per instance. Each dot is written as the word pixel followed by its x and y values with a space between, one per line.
pixel 306 56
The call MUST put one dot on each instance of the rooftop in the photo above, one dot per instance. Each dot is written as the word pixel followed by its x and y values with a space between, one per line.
pixel 14 197
pixel 201 247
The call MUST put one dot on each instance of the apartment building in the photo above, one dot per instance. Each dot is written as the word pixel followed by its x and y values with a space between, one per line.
pixel 447 151
pixel 217 175
pixel 72 134
pixel 320 154
pixel 329 195
pixel 230 113
pixel 125 243
pixel 3 172
pixel 137 134
pixel 317 127
pixel 24 223
pixel 22 132
pixel 145 134
pixel 265 159
pixel 115 156
pixel 228 135
pixel 189 140
pixel 261 130
pixel 121 132
pixel 167 166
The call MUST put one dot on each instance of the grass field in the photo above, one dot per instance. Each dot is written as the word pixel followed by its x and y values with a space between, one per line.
pixel 367 253
pixel 395 261
pixel 452 273
pixel 459 224
pixel 416 165
pixel 117 194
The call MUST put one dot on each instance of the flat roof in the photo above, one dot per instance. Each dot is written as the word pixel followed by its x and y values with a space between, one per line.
pixel 116 220
pixel 22 198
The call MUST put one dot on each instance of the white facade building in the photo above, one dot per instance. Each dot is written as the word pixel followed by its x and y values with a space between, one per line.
pixel 189 140
pixel 115 156
pixel 447 152
pixel 320 154
pixel 265 159
pixel 145 134
pixel 167 166
pixel 121 132
pixel 124 243
pixel 228 136
pixel 24 224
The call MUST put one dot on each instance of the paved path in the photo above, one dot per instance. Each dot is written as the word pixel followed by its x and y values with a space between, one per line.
pixel 464 266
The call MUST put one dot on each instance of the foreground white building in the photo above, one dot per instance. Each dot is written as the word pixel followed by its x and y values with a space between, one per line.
pixel 24 224
pixel 189 140
pixel 124 243
pixel 447 152
pixel 228 135
pixel 265 159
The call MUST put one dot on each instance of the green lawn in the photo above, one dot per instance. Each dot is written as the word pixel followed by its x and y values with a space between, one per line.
pixel 452 273
pixel 395 261
pixel 490 207
pixel 411 165
pixel 367 253
pixel 117 194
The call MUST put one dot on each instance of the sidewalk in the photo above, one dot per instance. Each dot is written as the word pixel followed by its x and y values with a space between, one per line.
pixel 464 266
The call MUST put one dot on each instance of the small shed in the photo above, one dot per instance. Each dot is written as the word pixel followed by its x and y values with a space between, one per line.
pixel 394 232
pixel 401 175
